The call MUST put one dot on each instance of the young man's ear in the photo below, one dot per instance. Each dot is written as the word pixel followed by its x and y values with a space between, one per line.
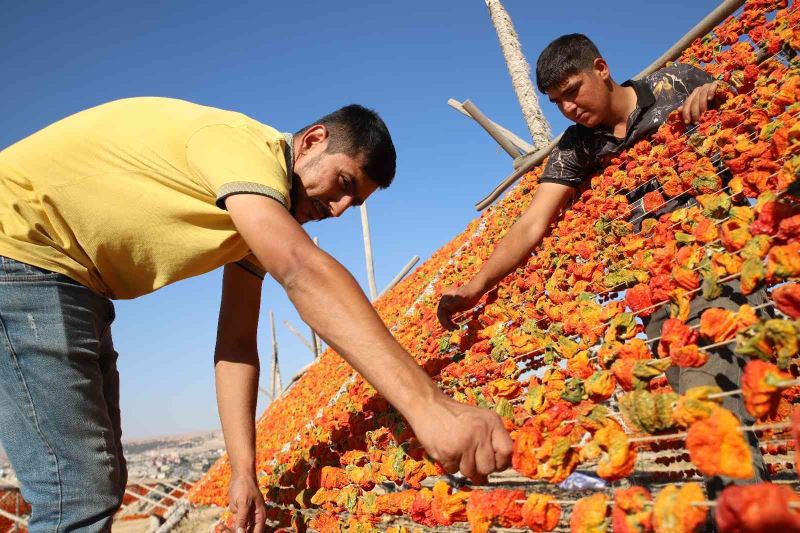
pixel 600 67
pixel 313 136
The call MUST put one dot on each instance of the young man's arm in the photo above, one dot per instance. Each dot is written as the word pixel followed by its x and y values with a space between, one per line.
pixel 516 246
pixel 459 436
pixel 236 368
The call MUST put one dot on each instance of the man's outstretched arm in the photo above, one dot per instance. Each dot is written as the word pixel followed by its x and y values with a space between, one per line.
pixel 236 369
pixel 327 297
pixel 516 246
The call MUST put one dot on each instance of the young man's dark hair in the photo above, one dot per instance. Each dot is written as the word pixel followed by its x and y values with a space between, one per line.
pixel 567 55
pixel 357 131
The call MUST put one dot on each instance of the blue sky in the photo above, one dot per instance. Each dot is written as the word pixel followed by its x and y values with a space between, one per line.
pixel 286 64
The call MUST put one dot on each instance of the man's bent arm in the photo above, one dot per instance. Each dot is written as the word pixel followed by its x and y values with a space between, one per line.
pixel 236 368
pixel 236 364
pixel 526 233
pixel 332 303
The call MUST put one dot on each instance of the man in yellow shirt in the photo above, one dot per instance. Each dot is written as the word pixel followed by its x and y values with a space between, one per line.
pixel 124 198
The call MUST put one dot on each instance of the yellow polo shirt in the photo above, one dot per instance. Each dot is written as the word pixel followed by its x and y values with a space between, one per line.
pixel 128 196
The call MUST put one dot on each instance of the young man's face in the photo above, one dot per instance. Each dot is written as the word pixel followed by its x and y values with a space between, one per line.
pixel 584 98
pixel 326 184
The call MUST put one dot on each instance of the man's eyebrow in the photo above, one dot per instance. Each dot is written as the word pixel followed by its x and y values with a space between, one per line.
pixel 354 186
pixel 568 87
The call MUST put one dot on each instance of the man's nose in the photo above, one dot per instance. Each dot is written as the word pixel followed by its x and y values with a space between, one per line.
pixel 341 205
pixel 568 107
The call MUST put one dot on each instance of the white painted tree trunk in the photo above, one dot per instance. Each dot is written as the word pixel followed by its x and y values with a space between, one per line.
pixel 520 74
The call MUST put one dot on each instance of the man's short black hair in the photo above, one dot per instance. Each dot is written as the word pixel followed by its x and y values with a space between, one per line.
pixel 567 55
pixel 357 131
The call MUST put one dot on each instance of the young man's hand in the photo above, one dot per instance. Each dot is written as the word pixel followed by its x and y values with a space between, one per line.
pixel 463 438
pixel 698 102
pixel 247 504
pixel 514 248
pixel 455 301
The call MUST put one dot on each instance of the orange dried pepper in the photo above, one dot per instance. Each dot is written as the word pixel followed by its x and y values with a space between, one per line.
pixel 759 508
pixel 540 512
pixel 673 511
pixel 787 299
pixel 632 510
pixel 589 514
pixel 717 447
pixel 761 388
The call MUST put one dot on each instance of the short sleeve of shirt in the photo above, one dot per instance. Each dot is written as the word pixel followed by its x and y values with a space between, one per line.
pixel 252 265
pixel 235 160
pixel 569 162
pixel 679 77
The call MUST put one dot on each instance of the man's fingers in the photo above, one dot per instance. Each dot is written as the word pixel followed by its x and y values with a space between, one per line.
pixel 450 465
pixel 711 92
pixel 467 465
pixel 260 519
pixel 695 110
pixel 484 459
pixel 242 516
pixel 503 448
pixel 445 317
pixel 686 109
pixel 702 105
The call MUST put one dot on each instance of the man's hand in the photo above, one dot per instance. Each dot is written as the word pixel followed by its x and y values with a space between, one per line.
pixel 463 438
pixel 332 303
pixel 514 249
pixel 247 504
pixel 698 102
pixel 455 301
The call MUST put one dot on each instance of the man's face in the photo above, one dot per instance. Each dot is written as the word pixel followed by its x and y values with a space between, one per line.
pixel 326 184
pixel 583 97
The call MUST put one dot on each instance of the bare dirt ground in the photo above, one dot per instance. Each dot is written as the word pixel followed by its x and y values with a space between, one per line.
pixel 198 520
pixel 142 525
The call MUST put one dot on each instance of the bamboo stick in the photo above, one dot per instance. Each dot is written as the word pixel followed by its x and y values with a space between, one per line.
pixel 299 336
pixel 400 275
pixel 490 128
pixel 373 290
pixel 275 377
pixel 521 145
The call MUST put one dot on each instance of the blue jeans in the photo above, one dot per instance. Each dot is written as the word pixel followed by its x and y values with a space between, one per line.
pixel 59 399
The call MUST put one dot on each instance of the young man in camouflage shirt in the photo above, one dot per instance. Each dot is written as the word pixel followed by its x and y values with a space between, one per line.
pixel 609 117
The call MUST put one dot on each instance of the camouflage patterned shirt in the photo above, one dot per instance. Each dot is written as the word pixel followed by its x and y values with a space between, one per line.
pixel 582 151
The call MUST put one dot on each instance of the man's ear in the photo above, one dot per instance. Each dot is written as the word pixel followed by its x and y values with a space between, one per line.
pixel 313 136
pixel 600 67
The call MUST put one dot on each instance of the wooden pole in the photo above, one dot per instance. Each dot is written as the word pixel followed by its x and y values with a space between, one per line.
pixel 275 380
pixel 490 128
pixel 520 144
pixel 373 290
pixel 299 336
pixel 314 341
pixel 720 13
pixel 520 71
pixel 400 275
